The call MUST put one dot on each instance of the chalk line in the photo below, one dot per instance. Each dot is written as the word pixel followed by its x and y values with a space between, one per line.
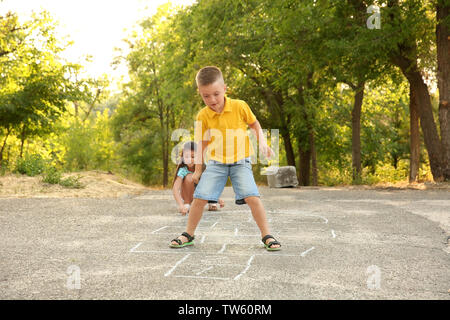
pixel 214 224
pixel 176 265
pixel 136 246
pixel 183 251
pixel 199 277
pixel 249 262
pixel 203 271
pixel 306 252
pixel 160 229
pixel 222 249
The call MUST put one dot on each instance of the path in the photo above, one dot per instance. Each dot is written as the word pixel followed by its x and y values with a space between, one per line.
pixel 337 244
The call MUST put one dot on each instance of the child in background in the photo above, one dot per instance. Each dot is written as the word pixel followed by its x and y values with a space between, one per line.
pixel 183 185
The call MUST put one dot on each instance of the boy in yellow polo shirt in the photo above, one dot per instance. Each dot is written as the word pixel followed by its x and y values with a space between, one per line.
pixel 221 128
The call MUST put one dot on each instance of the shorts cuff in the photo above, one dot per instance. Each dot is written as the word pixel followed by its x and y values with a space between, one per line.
pixel 248 195
pixel 206 198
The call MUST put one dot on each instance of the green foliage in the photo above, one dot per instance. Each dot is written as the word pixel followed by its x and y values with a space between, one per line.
pixel 52 176
pixel 72 182
pixel 35 83
pixel 386 172
pixel 88 145
pixel 79 152
pixel 3 167
pixel 296 63
pixel 31 165
pixel 137 142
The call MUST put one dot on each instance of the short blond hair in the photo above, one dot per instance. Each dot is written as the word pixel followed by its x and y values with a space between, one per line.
pixel 208 75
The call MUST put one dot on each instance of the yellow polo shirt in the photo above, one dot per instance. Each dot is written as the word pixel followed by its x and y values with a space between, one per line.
pixel 226 132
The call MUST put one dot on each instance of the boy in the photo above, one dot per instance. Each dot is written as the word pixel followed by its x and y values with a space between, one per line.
pixel 218 119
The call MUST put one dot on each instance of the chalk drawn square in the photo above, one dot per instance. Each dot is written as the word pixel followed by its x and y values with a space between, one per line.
pixel 219 267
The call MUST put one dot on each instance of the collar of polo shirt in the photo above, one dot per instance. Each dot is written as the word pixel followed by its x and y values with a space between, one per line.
pixel 226 108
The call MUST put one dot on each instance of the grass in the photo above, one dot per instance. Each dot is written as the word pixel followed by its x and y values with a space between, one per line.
pixel 72 182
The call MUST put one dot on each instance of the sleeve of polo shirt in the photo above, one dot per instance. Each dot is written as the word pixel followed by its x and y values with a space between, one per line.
pixel 201 124
pixel 247 114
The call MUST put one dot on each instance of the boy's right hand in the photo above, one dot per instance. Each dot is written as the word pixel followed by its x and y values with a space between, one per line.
pixel 183 209
pixel 196 176
pixel 266 150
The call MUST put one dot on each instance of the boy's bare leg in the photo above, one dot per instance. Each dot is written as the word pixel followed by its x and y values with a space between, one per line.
pixel 259 215
pixel 195 214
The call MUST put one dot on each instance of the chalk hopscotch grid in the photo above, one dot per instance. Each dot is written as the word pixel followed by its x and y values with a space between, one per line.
pixel 247 224
pixel 236 234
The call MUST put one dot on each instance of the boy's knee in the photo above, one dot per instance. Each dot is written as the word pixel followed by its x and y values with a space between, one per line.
pixel 199 201
pixel 252 200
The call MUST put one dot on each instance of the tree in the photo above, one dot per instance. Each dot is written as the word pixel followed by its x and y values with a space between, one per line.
pixel 157 93
pixel 443 78
pixel 34 87
pixel 404 52
pixel 414 161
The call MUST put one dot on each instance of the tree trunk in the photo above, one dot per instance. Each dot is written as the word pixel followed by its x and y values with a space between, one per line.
pixel 406 59
pixel 305 164
pixel 165 164
pixel 290 157
pixel 427 123
pixel 443 80
pixel 22 141
pixel 75 106
pixel 414 138
pixel 166 149
pixel 3 147
pixel 285 123
pixel 313 159
pixel 429 130
pixel 306 151
pixel 356 132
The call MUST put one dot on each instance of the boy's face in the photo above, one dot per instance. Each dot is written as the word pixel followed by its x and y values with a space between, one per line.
pixel 213 95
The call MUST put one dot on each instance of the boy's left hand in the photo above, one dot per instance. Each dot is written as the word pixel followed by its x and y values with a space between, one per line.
pixel 266 150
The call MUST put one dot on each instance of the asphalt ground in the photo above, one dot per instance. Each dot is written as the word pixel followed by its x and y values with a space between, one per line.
pixel 337 243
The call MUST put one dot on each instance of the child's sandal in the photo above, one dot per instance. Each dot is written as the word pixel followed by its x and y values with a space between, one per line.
pixel 271 243
pixel 180 244
pixel 212 207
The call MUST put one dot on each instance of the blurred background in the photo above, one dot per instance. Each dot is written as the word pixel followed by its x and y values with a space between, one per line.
pixel 102 85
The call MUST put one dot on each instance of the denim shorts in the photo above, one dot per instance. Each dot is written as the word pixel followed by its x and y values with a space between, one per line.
pixel 215 177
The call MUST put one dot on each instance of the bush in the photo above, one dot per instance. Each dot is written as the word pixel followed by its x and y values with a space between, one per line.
pixel 4 167
pixel 385 172
pixel 31 165
pixel 72 182
pixel 52 176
